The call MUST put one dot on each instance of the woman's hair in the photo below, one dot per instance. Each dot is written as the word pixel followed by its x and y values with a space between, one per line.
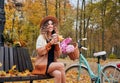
pixel 44 30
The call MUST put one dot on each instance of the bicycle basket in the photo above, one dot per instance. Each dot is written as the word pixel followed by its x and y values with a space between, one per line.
pixel 74 55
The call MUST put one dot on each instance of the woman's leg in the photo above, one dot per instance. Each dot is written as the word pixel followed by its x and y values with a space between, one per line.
pixel 56 68
pixel 57 76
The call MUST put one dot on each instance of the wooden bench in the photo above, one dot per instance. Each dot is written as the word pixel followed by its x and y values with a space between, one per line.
pixel 10 56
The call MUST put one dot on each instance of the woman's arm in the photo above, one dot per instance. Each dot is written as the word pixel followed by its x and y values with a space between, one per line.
pixel 41 51
pixel 44 50
pixel 57 51
pixel 42 46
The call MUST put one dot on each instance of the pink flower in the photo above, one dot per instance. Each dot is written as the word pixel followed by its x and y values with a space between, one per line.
pixel 63 47
pixel 70 48
pixel 68 40
pixel 64 44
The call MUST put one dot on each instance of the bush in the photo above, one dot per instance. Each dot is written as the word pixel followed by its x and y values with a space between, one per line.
pixel 112 56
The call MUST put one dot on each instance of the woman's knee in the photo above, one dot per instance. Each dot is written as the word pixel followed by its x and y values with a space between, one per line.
pixel 56 66
pixel 56 74
pixel 61 65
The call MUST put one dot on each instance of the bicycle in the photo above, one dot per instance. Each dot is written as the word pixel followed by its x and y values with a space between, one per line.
pixel 112 70
pixel 82 73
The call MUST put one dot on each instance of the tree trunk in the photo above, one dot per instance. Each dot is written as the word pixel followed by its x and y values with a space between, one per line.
pixel 64 9
pixel 46 8
pixel 56 6
pixel 77 35
pixel 103 26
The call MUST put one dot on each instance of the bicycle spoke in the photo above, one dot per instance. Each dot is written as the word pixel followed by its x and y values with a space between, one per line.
pixel 113 75
pixel 73 77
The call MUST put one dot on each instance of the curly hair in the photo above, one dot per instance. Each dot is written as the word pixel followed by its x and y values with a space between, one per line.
pixel 44 30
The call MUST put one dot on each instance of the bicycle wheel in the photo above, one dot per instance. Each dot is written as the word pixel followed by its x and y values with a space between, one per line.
pixel 73 77
pixel 112 73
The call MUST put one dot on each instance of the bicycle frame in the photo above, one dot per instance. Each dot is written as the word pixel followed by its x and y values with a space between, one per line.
pixel 96 78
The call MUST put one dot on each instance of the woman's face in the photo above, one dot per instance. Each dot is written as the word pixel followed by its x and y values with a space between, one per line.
pixel 50 26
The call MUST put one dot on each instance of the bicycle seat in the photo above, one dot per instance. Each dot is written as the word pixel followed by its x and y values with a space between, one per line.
pixel 99 53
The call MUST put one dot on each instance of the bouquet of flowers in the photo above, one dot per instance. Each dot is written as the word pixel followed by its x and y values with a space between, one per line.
pixel 70 48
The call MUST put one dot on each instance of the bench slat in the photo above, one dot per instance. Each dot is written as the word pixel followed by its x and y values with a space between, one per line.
pixel 2 57
pixel 11 57
pixel 27 59
pixel 23 60
pixel 20 64
pixel 15 57
pixel 6 59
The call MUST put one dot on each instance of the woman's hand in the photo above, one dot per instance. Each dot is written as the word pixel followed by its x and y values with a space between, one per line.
pixel 54 39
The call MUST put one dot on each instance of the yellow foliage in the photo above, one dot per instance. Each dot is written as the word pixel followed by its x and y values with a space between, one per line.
pixel 25 73
pixel 34 12
pixel 13 70
pixel 60 37
pixel 2 73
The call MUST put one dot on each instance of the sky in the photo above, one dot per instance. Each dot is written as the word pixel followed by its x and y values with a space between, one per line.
pixel 74 2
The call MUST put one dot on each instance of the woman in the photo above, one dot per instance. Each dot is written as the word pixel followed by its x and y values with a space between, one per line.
pixel 48 50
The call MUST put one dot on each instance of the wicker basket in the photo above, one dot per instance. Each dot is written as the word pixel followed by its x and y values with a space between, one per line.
pixel 74 55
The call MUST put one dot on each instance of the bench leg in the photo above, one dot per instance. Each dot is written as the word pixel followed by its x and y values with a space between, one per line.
pixel 31 81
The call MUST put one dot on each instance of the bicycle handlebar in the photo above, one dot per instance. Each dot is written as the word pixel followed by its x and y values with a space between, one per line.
pixel 84 39
pixel 79 44
pixel 84 48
